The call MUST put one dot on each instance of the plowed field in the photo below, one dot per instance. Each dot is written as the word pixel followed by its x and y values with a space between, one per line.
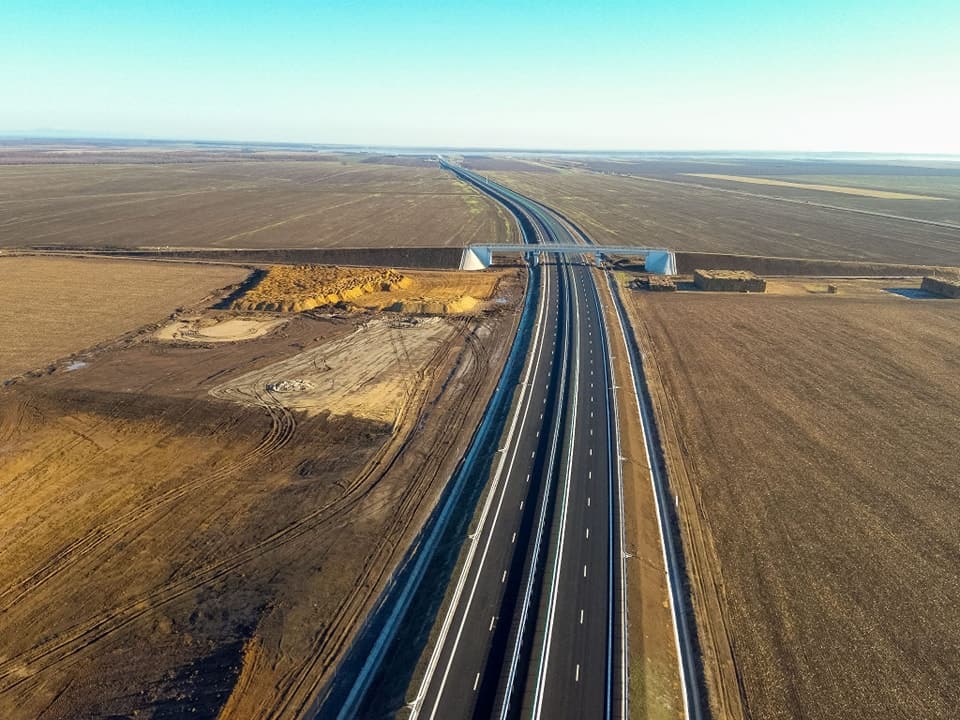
pixel 682 213
pixel 326 202
pixel 55 306
pixel 813 446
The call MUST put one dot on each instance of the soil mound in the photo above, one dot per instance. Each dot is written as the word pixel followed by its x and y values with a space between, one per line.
pixel 432 306
pixel 304 287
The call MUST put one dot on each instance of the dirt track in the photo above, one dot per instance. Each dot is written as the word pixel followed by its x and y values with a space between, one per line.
pixel 812 443
pixel 164 552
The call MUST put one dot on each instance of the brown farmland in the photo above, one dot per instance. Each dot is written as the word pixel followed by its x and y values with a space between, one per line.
pixel 679 214
pixel 56 306
pixel 812 443
pixel 325 202
pixel 195 528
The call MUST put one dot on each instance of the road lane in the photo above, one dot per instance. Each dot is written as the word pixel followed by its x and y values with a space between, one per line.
pixel 550 647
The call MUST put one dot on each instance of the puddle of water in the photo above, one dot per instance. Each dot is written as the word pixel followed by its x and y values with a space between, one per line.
pixel 912 293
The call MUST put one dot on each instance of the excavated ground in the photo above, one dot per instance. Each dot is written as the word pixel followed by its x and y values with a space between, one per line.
pixel 165 552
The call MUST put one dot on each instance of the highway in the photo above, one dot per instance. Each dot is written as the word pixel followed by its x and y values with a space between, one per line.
pixel 536 625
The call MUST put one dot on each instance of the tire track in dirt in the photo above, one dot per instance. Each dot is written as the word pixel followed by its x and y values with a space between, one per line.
pixel 17 669
pixel 301 686
pixel 282 429
pixel 25 668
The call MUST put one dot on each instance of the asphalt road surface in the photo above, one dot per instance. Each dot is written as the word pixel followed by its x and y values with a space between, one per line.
pixel 536 626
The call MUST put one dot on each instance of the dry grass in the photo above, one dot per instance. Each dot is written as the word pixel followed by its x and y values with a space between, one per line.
pixel 237 204
pixel 812 442
pixel 862 192
pixel 56 306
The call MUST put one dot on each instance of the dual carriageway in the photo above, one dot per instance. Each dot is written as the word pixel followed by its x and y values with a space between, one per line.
pixel 536 624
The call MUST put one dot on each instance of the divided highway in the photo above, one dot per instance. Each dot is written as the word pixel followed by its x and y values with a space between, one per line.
pixel 536 626
pixel 535 623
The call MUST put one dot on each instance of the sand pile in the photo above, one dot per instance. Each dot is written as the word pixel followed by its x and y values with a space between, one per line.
pixel 434 306
pixel 304 287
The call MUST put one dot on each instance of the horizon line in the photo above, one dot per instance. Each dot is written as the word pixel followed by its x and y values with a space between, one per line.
pixel 67 137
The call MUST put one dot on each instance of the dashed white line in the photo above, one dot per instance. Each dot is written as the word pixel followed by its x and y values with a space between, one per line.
pixel 584 569
pixel 521 504
pixel 577 677
pixel 503 579
pixel 588 535
pixel 476 681
pixel 514 538
pixel 493 620
pixel 581 616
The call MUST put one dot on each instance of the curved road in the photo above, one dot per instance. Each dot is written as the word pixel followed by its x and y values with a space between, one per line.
pixel 536 625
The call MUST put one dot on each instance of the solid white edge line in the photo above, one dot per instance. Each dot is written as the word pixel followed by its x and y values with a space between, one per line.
pixel 515 657
pixel 552 602
pixel 532 363
pixel 663 548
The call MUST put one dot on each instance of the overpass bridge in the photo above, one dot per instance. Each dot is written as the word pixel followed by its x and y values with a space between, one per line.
pixel 656 260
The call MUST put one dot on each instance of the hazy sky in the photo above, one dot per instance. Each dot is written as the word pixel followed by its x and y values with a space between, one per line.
pixel 714 74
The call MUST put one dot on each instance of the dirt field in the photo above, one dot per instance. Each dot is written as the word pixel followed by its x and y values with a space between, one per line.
pixel 812 443
pixel 56 306
pixel 709 215
pixel 165 552
pixel 320 202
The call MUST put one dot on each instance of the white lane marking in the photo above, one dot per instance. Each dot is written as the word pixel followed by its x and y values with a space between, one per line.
pixel 528 477
pixel 533 454
pixel 588 501
pixel 513 539
pixel 588 534
pixel 591 431
pixel 591 413
pixel 533 365
pixel 558 560
pixel 591 452
pixel 503 579
pixel 541 416
pixel 521 504
pixel 578 673
pixel 492 621
pixel 581 616
pixel 589 474
pixel 476 681
pixel 584 569
pixel 538 433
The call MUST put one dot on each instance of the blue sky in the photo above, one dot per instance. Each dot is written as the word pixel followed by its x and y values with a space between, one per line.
pixel 841 75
